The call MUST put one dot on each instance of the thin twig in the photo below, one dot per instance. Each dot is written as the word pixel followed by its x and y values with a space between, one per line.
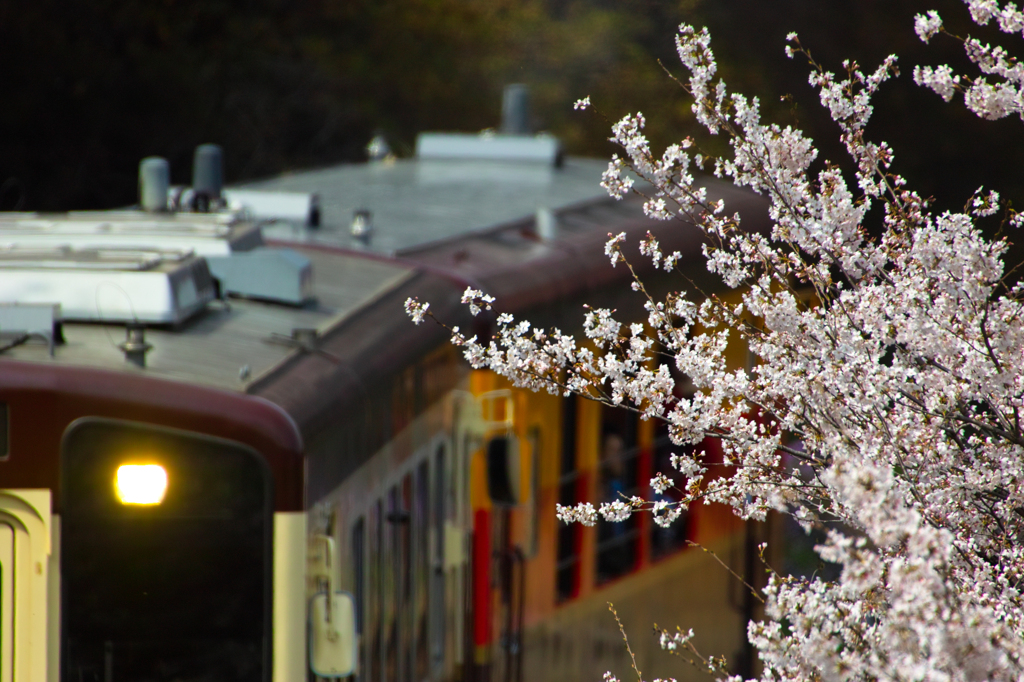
pixel 736 575
pixel 632 657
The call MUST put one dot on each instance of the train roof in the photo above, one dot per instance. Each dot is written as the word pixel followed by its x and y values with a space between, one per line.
pixel 231 342
pixel 529 233
pixel 415 202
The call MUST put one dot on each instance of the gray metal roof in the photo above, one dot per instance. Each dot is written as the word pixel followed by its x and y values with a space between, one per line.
pixel 414 203
pixel 417 202
pixel 213 347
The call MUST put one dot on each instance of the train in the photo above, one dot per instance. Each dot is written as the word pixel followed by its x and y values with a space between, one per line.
pixel 226 453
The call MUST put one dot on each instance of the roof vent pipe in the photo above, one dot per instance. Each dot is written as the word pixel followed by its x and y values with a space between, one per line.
pixel 135 346
pixel 546 226
pixel 378 148
pixel 154 183
pixel 207 176
pixel 362 226
pixel 515 110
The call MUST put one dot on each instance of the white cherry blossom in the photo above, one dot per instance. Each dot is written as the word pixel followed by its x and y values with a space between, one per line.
pixel 416 310
pixel 927 25
pixel 885 401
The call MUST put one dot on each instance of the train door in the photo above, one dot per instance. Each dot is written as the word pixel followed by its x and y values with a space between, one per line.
pixel 26 640
pixel 455 540
pixel 509 564
pixel 448 604
pixel 499 560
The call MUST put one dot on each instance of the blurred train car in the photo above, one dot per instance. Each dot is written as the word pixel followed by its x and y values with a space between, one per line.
pixel 210 421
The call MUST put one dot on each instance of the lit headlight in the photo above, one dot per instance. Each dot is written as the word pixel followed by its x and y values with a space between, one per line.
pixel 141 483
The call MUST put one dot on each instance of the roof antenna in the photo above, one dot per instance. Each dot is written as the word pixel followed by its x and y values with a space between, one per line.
pixel 135 346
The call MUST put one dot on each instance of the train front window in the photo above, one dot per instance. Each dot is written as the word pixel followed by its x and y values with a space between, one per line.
pixel 166 568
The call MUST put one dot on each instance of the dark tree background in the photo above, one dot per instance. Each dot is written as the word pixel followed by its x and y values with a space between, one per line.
pixel 89 88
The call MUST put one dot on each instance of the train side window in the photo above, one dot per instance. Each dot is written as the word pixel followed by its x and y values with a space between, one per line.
pixel 437 570
pixel 403 528
pixel 421 573
pixel 392 573
pixel 665 541
pixel 567 568
pixel 374 648
pixel 359 586
pixel 618 478
pixel 534 510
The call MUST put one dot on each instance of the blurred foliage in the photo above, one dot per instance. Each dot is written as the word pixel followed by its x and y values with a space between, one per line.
pixel 90 88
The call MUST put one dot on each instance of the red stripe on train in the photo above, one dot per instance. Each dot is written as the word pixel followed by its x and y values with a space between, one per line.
pixel 482 578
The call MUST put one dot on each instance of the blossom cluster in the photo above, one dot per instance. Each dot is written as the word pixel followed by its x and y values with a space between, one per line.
pixel 885 403
pixel 1003 96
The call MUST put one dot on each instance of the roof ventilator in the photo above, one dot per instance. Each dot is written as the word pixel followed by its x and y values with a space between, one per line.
pixel 208 195
pixel 269 274
pixel 203 234
pixel 108 285
pixel 297 208
pixel 515 142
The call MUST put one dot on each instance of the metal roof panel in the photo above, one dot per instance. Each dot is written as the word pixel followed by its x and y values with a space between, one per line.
pixel 418 202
